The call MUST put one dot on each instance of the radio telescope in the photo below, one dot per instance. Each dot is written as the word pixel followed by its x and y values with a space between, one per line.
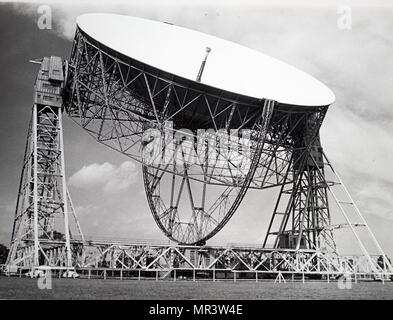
pixel 208 120
pixel 237 112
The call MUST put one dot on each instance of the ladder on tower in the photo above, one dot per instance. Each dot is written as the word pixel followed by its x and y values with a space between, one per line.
pixel 345 203
pixel 353 220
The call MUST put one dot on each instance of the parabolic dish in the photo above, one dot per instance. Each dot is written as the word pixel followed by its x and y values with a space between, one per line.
pixel 230 66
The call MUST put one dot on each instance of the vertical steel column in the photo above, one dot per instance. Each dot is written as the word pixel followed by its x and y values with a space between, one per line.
pixel 35 190
pixel 64 187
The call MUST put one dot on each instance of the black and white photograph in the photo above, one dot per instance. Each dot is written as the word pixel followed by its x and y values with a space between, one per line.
pixel 216 151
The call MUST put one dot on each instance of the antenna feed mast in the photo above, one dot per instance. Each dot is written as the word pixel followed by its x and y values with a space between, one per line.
pixel 198 79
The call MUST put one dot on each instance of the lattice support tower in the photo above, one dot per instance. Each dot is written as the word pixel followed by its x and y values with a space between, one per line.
pixel 302 210
pixel 41 232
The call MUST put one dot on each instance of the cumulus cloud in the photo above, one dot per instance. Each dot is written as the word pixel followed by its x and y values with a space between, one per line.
pixel 105 176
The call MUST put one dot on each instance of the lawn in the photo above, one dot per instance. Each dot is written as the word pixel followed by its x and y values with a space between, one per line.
pixel 25 288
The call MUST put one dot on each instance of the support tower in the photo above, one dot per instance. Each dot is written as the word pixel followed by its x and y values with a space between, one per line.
pixel 41 233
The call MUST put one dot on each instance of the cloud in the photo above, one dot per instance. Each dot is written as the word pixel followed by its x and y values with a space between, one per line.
pixel 376 199
pixel 358 145
pixel 105 176
pixel 360 151
pixel 220 2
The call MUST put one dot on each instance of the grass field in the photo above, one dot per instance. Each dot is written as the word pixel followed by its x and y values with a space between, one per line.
pixel 25 288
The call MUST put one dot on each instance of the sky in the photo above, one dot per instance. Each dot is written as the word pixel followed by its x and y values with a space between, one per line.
pixel 107 188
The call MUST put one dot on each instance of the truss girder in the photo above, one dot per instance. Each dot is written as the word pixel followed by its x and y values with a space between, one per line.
pixel 167 257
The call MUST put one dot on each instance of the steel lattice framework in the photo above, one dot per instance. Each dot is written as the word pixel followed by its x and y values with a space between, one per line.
pixel 41 233
pixel 302 208
pixel 130 108
pixel 201 149
pixel 235 258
